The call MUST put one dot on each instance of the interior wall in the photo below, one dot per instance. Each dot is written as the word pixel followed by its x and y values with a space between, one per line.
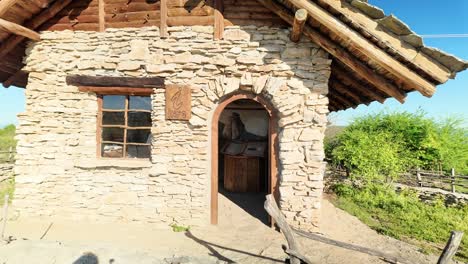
pixel 255 121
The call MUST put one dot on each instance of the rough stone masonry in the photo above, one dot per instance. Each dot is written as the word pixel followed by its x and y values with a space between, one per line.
pixel 59 176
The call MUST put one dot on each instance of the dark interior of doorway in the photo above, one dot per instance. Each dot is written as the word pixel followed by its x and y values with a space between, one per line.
pixel 243 156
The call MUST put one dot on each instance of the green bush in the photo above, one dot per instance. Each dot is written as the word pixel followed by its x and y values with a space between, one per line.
pixel 7 135
pixel 381 146
pixel 403 216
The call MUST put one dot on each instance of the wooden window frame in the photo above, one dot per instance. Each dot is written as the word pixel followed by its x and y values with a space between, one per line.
pixel 127 92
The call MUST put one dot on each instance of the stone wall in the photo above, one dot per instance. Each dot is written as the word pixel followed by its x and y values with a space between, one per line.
pixel 6 171
pixel 58 174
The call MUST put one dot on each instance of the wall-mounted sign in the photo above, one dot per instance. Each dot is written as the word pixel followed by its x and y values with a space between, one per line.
pixel 178 102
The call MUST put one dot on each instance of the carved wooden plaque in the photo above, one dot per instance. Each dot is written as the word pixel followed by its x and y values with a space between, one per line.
pixel 178 102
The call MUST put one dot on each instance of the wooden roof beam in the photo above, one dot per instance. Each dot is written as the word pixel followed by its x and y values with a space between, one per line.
pixel 34 23
pixel 13 78
pixel 340 105
pixel 218 19
pixel 346 91
pixel 102 16
pixel 344 76
pixel 5 5
pixel 298 25
pixel 163 19
pixel 361 69
pixel 19 30
pixel 420 60
pixel 361 45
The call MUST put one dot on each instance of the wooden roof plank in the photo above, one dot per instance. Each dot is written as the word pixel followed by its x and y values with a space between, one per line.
pixel 351 38
pixel 5 5
pixel 341 54
pixel 423 62
pixel 34 23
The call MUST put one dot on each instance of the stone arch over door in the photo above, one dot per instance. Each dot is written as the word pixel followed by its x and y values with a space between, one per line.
pixel 273 171
pixel 300 118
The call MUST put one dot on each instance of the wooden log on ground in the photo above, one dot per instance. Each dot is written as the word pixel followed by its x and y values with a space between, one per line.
pixel 451 247
pixel 299 20
pixel 272 208
pixel 107 81
pixel 19 30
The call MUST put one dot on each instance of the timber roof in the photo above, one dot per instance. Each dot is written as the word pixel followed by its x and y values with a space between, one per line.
pixel 375 56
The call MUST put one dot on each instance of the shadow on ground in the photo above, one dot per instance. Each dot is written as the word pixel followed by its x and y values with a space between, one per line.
pixel 215 253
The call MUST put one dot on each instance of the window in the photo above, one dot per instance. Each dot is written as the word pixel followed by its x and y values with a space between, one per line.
pixel 124 127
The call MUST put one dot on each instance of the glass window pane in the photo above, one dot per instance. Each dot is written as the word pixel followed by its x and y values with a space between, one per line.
pixel 112 151
pixel 140 103
pixel 114 102
pixel 112 134
pixel 139 152
pixel 139 119
pixel 139 136
pixel 113 118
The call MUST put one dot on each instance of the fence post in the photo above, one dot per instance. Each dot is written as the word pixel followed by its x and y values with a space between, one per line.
pixel 10 154
pixel 453 180
pixel 418 175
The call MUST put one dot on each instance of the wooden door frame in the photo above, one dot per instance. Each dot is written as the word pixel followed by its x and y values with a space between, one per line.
pixel 272 148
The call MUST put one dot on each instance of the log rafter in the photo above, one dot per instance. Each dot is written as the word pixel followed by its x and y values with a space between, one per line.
pixel 361 45
pixel 5 5
pixel 34 23
pixel 370 28
pixel 300 17
pixel 346 79
pixel 19 30
pixel 361 69
pixel 345 91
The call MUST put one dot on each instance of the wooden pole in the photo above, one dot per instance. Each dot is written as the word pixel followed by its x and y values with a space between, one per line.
pixel 418 176
pixel 163 20
pixel 5 216
pixel 453 180
pixel 298 25
pixel 451 248
pixel 272 208
pixel 19 30
pixel 10 154
pixel 218 19
pixel 102 16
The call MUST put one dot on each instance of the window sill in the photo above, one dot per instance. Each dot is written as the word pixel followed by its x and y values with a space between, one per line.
pixel 113 163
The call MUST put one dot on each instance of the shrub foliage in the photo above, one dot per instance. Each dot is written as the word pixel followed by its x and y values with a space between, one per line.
pixel 385 144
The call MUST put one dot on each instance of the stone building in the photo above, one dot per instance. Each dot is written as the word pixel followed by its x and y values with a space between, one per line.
pixel 125 100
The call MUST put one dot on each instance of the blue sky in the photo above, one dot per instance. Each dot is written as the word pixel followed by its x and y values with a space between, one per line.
pixel 423 16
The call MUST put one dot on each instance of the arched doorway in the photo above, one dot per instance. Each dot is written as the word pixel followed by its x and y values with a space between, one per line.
pixel 272 146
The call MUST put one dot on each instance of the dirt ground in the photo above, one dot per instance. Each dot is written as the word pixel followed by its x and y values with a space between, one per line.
pixel 240 237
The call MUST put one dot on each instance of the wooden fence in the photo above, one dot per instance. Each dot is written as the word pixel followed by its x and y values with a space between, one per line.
pixel 7 156
pixel 450 182
pixel 418 178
